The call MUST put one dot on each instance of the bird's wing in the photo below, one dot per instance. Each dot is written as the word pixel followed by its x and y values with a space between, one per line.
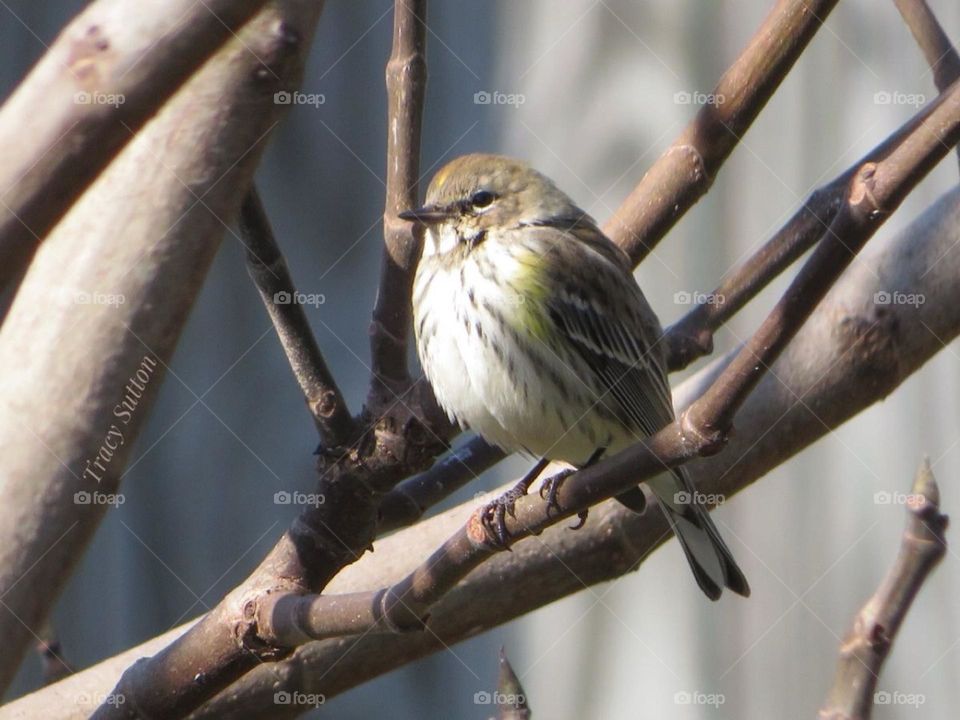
pixel 602 314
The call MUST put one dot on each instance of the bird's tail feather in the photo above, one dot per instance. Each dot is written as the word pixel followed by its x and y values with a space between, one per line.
pixel 710 559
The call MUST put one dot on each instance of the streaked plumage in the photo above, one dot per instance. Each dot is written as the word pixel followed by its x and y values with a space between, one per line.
pixel 533 332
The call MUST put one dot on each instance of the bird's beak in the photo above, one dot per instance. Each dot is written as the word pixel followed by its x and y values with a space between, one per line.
pixel 427 215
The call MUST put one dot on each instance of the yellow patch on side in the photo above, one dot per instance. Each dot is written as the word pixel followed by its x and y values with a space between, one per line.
pixel 532 294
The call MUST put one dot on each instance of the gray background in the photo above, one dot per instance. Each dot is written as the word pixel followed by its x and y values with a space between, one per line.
pixel 599 81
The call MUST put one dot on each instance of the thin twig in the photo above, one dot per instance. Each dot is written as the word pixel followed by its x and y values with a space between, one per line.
pixel 691 337
pixel 874 192
pixel 406 85
pixel 409 500
pixel 684 173
pixel 268 270
pixel 511 700
pixel 870 639
pixel 940 53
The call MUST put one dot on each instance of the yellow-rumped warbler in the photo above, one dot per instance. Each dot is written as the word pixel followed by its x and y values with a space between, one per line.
pixel 533 332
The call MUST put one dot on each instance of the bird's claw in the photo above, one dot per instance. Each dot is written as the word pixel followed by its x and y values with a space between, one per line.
pixel 494 517
pixel 549 489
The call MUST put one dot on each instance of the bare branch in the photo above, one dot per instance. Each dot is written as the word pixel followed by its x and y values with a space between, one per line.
pixel 691 337
pixel 684 173
pixel 941 56
pixel 409 500
pixel 512 700
pixel 869 641
pixel 406 85
pixel 268 270
pixel 105 76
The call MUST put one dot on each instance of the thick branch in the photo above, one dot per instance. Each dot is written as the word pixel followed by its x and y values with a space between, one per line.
pixel 268 270
pixel 98 334
pixel 107 74
pixel 684 173
pixel 869 641
pixel 406 85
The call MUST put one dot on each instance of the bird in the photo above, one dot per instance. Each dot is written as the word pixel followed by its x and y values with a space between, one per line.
pixel 533 332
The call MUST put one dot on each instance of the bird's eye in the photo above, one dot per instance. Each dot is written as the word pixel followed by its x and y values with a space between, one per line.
pixel 482 199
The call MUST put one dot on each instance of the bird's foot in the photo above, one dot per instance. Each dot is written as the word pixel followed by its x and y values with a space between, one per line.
pixel 493 517
pixel 549 489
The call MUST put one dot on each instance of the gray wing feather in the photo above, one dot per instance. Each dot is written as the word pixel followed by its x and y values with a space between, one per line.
pixel 623 359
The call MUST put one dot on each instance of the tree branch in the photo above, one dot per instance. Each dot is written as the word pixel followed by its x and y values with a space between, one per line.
pixel 268 270
pixel 406 85
pixel 106 75
pixel 869 641
pixel 408 501
pixel 684 173
pixel 939 52
pixel 691 337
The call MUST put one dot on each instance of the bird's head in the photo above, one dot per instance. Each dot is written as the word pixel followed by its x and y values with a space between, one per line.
pixel 476 194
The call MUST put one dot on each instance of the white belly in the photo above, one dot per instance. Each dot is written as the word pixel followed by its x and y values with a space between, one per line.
pixel 483 381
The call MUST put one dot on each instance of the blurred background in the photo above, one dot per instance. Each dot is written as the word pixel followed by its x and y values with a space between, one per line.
pixel 590 93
